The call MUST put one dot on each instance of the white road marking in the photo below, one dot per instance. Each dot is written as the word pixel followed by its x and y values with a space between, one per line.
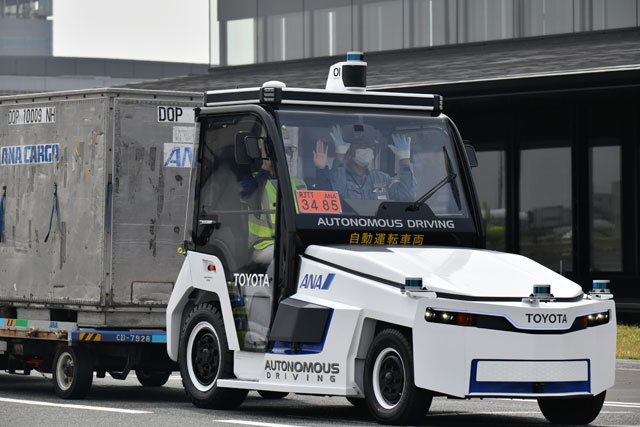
pixel 622 405
pixel 254 423
pixel 628 369
pixel 456 414
pixel 606 403
pixel 66 405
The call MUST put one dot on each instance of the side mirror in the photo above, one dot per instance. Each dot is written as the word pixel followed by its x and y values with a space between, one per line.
pixel 471 155
pixel 247 148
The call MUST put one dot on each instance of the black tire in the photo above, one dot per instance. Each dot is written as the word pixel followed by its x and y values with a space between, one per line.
pixel 273 394
pixel 152 378
pixel 390 393
pixel 205 357
pixel 358 402
pixel 573 410
pixel 72 372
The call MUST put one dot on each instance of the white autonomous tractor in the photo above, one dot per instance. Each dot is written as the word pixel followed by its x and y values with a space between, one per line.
pixel 336 248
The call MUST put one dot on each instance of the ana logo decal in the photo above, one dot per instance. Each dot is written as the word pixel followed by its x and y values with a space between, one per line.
pixel 316 281
pixel 178 155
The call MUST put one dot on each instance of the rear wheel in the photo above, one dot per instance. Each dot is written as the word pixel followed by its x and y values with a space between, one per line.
pixel 573 410
pixel 272 394
pixel 205 357
pixel 390 393
pixel 152 378
pixel 72 372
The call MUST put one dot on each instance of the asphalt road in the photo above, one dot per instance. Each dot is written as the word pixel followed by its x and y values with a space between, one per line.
pixel 30 401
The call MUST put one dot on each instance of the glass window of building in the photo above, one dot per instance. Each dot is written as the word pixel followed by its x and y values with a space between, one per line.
pixel 328 29
pixel 609 14
pixel 382 25
pixel 605 215
pixel 545 203
pixel 485 20
pixel 545 185
pixel 241 46
pixel 605 208
pixel 543 17
pixel 429 22
pixel 284 38
pixel 490 181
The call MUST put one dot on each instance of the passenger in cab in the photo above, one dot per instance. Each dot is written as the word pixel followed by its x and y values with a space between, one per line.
pixel 352 174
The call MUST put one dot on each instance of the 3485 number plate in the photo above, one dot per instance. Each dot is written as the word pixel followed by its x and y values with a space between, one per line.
pixel 310 201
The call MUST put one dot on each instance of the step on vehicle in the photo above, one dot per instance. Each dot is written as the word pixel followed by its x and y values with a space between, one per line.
pixel 336 248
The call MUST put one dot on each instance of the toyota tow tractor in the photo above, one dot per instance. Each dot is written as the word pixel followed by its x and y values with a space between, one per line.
pixel 335 246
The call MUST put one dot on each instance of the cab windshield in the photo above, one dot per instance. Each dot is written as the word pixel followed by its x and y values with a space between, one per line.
pixel 358 164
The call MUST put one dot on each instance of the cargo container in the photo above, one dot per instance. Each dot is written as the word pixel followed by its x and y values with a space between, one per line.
pixel 94 188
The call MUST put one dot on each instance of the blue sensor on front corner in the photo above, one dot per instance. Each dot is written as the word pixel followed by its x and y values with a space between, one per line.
pixel 355 56
pixel 541 289
pixel 413 282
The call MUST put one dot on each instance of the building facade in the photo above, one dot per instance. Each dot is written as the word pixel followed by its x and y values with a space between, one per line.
pixel 24 28
pixel 252 31
pixel 27 64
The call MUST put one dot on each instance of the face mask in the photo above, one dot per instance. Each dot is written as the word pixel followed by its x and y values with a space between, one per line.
pixel 363 157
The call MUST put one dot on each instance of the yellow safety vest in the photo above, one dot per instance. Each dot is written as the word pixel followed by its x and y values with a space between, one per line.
pixel 262 229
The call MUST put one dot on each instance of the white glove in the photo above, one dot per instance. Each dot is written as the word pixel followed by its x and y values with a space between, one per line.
pixel 401 146
pixel 336 135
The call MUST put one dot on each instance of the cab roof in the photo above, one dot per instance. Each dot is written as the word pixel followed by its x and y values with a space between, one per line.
pixel 321 97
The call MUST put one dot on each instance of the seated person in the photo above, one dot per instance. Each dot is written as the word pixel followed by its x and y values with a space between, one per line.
pixel 351 174
pixel 260 191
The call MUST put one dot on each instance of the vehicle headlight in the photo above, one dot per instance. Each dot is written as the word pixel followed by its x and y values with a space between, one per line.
pixel 596 319
pixel 448 317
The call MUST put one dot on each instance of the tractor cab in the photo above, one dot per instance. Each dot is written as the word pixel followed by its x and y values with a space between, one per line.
pixel 279 169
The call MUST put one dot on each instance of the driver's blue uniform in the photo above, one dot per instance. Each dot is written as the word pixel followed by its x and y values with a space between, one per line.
pixel 374 184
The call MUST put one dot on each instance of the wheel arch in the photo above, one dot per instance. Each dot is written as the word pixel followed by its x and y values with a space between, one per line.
pixel 194 287
pixel 370 328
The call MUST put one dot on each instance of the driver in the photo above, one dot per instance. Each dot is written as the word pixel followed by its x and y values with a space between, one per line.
pixel 259 190
pixel 352 175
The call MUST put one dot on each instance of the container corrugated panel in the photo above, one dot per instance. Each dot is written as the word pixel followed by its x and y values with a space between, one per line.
pixel 105 174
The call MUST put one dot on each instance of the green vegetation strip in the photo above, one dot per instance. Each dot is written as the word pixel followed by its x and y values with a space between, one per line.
pixel 628 342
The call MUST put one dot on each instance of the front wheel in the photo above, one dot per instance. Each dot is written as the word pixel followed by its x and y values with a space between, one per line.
pixel 72 372
pixel 152 378
pixel 205 357
pixel 390 393
pixel 573 410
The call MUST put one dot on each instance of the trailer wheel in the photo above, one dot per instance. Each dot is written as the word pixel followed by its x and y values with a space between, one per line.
pixel 204 357
pixel 390 393
pixel 265 394
pixel 574 410
pixel 72 372
pixel 152 378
